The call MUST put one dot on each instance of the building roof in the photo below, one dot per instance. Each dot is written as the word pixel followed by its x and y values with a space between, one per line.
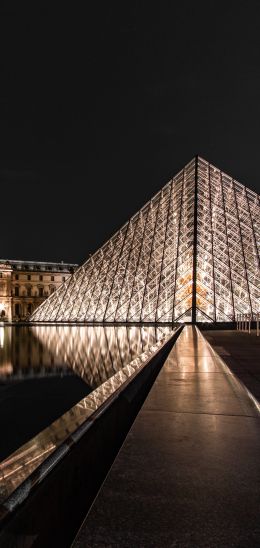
pixel 39 265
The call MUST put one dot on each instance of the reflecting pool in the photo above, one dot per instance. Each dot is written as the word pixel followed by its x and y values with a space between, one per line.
pixel 52 381
pixel 46 370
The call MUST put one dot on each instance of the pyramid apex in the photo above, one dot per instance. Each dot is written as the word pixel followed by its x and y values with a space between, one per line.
pixel 189 254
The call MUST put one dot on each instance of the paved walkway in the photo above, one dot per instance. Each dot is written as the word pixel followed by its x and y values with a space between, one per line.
pixel 188 472
pixel 241 352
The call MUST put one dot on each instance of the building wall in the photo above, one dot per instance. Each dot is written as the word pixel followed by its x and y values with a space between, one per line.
pixel 5 291
pixel 24 286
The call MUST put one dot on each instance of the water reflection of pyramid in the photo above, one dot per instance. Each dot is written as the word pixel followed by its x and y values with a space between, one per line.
pixel 190 254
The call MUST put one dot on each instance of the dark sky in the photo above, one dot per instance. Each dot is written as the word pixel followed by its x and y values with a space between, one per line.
pixel 99 108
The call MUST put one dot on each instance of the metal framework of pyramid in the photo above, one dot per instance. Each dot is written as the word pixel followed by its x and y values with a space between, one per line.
pixel 190 254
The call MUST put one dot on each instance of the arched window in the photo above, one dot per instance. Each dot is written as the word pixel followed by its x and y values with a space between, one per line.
pixel 29 291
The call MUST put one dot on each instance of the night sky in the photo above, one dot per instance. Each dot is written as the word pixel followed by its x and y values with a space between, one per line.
pixel 99 108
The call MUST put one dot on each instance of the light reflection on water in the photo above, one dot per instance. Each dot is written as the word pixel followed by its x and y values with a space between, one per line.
pixel 23 356
pixel 103 357
pixel 94 353
pixel 46 370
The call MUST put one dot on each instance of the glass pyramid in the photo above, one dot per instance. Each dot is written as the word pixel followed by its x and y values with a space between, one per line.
pixel 190 254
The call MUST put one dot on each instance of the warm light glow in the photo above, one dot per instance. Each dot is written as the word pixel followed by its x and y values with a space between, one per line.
pixel 88 350
pixel 145 272
pixel 2 337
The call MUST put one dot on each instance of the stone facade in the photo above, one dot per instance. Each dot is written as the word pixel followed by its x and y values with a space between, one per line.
pixel 24 285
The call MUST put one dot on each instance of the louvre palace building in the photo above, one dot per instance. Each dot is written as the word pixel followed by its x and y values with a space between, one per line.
pixel 24 285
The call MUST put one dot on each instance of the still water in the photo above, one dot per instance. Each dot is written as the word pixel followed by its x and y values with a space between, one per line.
pixel 45 370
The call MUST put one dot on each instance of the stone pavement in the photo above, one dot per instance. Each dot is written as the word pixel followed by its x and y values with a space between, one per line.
pixel 241 352
pixel 188 472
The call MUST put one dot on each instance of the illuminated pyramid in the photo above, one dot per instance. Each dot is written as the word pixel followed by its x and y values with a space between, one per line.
pixel 190 254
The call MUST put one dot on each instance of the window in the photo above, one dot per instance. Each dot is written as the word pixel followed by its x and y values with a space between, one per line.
pixel 28 276
pixel 63 278
pixel 52 278
pixel 16 291
pixel 40 291
pixel 17 309
pixel 40 277
pixel 1 274
pixel 29 291
pixel 29 308
pixel 17 276
pixel 52 289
